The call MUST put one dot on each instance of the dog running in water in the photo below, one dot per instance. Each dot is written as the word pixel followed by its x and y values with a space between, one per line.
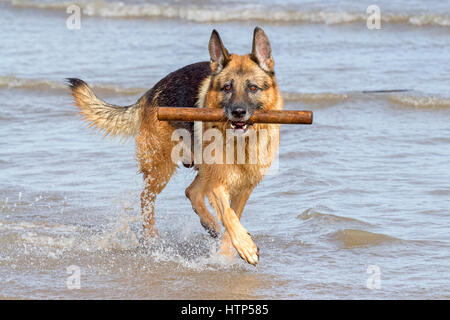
pixel 238 84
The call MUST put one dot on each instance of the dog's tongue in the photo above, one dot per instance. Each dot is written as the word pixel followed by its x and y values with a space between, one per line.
pixel 239 127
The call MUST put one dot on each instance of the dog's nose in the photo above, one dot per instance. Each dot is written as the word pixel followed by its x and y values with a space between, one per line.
pixel 238 112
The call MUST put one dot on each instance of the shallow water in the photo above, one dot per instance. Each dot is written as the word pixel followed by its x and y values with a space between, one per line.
pixel 366 185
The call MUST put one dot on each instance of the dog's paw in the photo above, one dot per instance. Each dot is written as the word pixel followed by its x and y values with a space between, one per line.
pixel 246 248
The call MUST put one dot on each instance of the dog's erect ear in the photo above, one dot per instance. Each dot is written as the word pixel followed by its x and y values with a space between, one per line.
pixel 218 53
pixel 261 51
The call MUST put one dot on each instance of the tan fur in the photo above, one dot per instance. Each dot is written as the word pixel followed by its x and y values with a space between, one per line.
pixel 110 119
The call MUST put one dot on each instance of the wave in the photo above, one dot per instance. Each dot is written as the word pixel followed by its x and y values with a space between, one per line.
pixel 420 102
pixel 323 218
pixel 12 82
pixel 314 97
pixel 329 98
pixel 354 238
pixel 204 14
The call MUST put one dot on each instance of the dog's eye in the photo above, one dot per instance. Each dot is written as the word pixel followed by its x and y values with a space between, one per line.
pixel 253 88
pixel 227 88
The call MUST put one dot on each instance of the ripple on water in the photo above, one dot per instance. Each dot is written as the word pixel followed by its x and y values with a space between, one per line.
pixel 355 238
pixel 323 218
pixel 346 232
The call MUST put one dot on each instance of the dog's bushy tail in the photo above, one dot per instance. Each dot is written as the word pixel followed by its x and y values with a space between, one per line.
pixel 111 119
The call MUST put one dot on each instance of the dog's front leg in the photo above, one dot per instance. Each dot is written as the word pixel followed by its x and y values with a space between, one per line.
pixel 240 238
pixel 196 194
pixel 237 204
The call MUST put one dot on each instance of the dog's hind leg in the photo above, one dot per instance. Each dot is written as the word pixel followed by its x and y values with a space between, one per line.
pixel 154 184
pixel 154 155
pixel 196 194
pixel 240 238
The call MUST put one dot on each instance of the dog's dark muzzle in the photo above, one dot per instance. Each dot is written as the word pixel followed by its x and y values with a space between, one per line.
pixel 238 113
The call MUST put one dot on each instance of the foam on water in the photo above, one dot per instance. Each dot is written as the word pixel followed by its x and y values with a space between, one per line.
pixel 431 102
pixel 207 14
pixel 123 237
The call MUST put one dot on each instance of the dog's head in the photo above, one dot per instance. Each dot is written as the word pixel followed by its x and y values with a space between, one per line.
pixel 242 84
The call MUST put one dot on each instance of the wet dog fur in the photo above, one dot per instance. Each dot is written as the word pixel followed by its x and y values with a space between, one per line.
pixel 239 84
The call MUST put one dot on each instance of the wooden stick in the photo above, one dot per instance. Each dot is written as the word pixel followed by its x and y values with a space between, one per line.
pixel 217 115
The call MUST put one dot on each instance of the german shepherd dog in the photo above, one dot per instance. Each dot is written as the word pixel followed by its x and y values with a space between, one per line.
pixel 238 84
